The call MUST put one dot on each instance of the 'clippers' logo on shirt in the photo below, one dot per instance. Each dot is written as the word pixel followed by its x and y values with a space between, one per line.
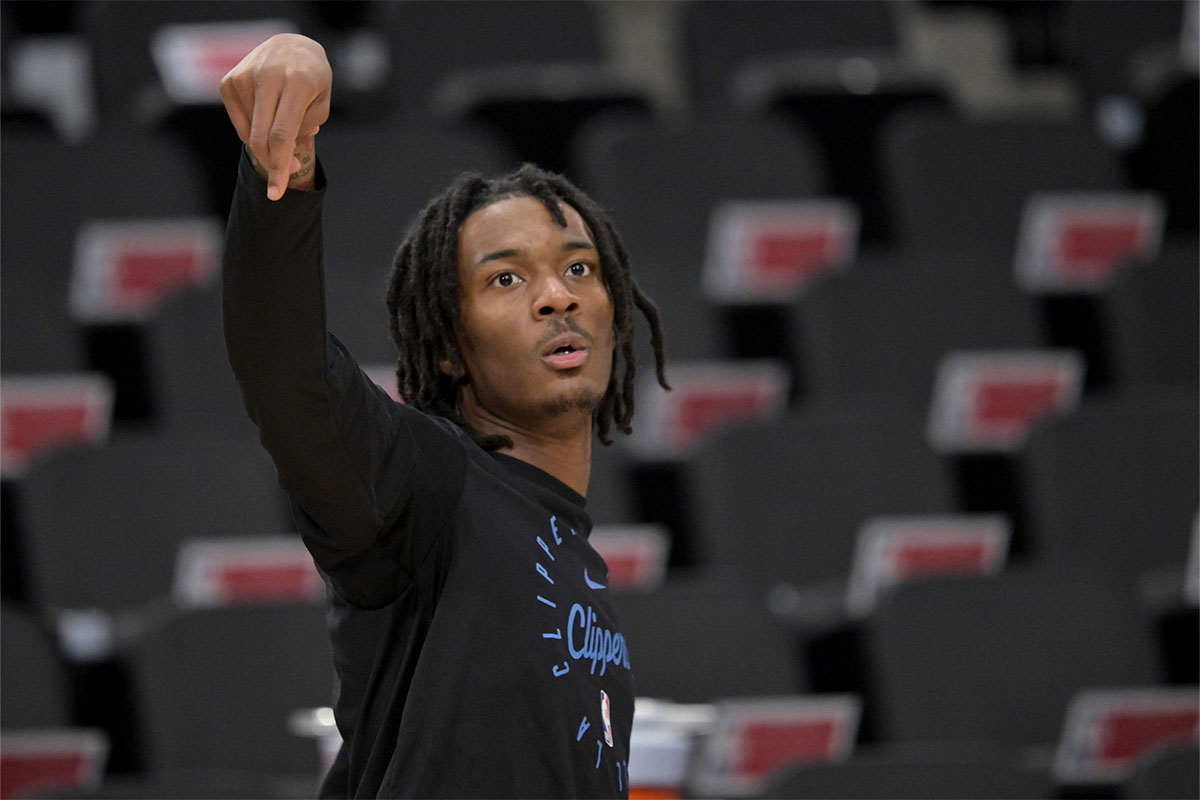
pixel 583 647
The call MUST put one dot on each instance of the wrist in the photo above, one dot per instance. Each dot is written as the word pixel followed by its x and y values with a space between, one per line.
pixel 303 179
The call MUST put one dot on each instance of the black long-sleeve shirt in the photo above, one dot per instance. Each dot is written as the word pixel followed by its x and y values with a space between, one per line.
pixel 476 651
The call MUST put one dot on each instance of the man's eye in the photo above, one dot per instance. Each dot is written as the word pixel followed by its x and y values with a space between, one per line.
pixel 579 269
pixel 505 279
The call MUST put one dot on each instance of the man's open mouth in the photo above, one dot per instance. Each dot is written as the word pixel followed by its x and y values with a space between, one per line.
pixel 566 352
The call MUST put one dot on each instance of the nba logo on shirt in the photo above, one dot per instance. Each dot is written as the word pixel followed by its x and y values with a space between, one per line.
pixel 607 717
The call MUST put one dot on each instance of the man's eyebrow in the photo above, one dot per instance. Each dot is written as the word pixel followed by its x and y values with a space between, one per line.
pixel 511 252
pixel 499 255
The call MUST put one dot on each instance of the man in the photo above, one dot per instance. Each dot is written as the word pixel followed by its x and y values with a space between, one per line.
pixel 476 650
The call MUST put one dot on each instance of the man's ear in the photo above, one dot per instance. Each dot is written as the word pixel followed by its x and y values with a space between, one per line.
pixel 446 366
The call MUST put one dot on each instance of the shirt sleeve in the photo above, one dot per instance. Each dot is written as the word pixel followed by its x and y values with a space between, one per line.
pixel 345 451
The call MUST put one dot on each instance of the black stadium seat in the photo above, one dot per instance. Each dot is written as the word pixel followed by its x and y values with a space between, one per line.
pixel 430 41
pixel 103 523
pixel 215 688
pixel 661 182
pixel 997 659
pixel 719 36
pixel 673 633
pixel 782 501
pixel 965 182
pixel 1149 318
pixel 50 190
pixel 880 329
pixel 1117 480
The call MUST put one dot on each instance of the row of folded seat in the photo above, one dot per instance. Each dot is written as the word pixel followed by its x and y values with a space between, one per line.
pixel 532 72
pixel 783 499
pixel 680 196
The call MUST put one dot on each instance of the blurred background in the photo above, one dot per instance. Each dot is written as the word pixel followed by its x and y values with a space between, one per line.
pixel 919 518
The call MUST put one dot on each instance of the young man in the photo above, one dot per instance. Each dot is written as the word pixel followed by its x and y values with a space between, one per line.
pixel 476 650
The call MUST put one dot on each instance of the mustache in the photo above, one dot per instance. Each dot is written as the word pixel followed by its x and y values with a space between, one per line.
pixel 564 325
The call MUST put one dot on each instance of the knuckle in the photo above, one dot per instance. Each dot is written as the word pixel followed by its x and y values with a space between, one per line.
pixel 278 135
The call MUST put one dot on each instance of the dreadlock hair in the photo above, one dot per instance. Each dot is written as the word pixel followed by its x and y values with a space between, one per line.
pixel 425 314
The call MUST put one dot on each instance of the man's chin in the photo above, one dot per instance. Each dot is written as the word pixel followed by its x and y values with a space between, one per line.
pixel 581 402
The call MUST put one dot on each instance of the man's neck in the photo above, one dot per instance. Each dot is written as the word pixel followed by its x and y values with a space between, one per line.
pixel 562 449
pixel 568 460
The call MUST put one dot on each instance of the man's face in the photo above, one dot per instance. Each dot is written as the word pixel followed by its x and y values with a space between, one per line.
pixel 537 321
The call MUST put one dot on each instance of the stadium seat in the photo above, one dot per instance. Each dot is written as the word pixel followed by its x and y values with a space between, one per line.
pixel 128 85
pixel 429 41
pixel 215 688
pixel 719 36
pixel 880 328
pixel 997 660
pixel 965 182
pixel 1116 480
pixel 538 110
pixel 782 502
pixel 1148 320
pixel 660 183
pixel 697 639
pixel 188 367
pixel 844 101
pixel 41 222
pixel 103 523
pixel 133 97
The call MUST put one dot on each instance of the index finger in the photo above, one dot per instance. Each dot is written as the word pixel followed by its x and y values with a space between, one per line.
pixel 285 130
pixel 262 118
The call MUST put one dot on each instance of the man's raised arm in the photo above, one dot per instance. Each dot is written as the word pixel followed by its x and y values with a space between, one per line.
pixel 324 423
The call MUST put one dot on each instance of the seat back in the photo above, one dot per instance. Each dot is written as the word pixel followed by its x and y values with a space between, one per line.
pixel 103 524
pixel 998 659
pixel 671 631
pixel 958 180
pixel 721 35
pixel 1149 320
pixel 42 219
pixel 660 184
pixel 783 501
pixel 1116 480
pixel 215 688
pixel 431 41
pixel 881 329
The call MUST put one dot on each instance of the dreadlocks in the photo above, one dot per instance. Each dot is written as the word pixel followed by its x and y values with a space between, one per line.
pixel 425 314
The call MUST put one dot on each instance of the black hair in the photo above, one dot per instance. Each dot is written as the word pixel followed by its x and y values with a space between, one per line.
pixel 426 315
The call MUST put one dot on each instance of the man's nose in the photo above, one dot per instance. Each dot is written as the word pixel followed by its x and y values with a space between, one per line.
pixel 554 297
